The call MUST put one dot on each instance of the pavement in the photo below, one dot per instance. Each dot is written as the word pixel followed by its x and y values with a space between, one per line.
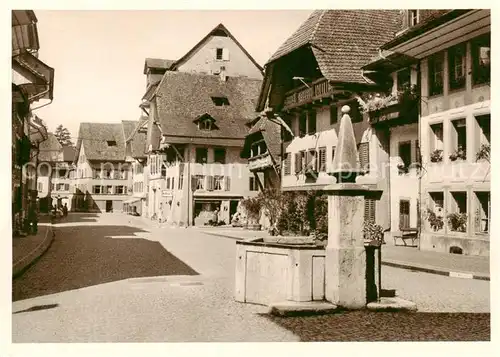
pixel 26 250
pixel 406 257
pixel 108 285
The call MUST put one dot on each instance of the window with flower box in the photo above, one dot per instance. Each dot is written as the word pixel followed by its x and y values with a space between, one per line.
pixel 458 139
pixel 457 217
pixel 483 209
pixel 287 163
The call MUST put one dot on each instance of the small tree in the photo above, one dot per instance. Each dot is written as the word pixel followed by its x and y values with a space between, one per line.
pixel 63 136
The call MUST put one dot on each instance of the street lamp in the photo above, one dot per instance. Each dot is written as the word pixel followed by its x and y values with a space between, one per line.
pixel 302 80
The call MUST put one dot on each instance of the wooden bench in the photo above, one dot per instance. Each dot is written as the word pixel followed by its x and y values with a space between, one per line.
pixel 406 234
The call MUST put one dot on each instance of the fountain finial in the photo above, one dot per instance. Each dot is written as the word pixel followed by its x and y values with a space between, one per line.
pixel 346 161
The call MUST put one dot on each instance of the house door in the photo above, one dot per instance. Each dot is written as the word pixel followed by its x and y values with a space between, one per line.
pixel 404 214
pixel 233 207
pixel 109 206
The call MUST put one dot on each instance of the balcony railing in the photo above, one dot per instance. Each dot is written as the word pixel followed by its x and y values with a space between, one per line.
pixel 318 89
pixel 260 162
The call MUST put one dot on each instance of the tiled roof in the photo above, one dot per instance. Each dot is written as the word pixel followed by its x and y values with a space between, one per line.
pixel 94 138
pixel 183 97
pixel 69 153
pixel 137 140
pixel 343 40
pixel 271 132
pixel 49 149
pixel 157 63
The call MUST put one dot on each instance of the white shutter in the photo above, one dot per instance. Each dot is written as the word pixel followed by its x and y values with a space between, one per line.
pixel 225 54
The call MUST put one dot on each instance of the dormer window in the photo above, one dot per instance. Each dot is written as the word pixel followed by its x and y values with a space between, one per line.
pixel 111 142
pixel 413 17
pixel 205 122
pixel 220 101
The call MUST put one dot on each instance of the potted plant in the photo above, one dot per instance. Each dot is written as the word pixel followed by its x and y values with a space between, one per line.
pixel 483 153
pixel 402 169
pixel 457 221
pixel 436 155
pixel 436 222
pixel 252 207
pixel 311 172
pixel 458 154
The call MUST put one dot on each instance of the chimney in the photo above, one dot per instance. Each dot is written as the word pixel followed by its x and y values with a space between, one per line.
pixel 222 73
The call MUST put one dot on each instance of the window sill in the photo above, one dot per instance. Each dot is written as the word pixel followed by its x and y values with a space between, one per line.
pixel 456 90
pixel 480 84
pixel 434 96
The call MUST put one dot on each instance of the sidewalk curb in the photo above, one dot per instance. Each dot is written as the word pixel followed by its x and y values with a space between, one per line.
pixel 402 265
pixel 20 266
pixel 434 270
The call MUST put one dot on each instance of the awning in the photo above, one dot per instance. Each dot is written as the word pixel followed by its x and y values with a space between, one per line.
pixel 42 85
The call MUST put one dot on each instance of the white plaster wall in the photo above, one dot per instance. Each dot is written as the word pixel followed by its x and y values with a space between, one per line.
pixel 403 187
pixel 204 59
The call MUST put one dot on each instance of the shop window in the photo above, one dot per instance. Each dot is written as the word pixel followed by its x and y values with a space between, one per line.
pixel 482 214
pixel 201 155
pixel 97 189
pixel 436 74
pixel 220 155
pixel 119 190
pixel 481 60
pixel 459 139
pixel 456 66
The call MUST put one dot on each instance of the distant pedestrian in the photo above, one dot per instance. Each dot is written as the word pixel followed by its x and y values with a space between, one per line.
pixel 160 216
pixel 215 218
pixel 65 210
pixel 33 219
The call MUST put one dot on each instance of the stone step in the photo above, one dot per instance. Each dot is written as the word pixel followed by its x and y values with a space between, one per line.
pixel 294 308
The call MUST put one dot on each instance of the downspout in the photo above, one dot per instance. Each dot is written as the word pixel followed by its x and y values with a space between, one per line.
pixel 188 223
pixel 419 105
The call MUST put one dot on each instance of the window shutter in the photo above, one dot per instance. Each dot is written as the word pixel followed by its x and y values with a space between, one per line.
pixel 364 156
pixel 370 209
pixel 417 152
pixel 322 159
pixel 225 54
pixel 287 164
pixel 298 157
pixel 173 183
pixel 227 183
pixel 333 114
pixel 66 187
pixel 193 183
pixel 210 183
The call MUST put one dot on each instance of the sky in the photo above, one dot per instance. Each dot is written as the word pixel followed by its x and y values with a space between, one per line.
pixel 98 56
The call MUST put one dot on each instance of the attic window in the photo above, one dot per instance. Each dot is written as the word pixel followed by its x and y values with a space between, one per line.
pixel 220 101
pixel 414 17
pixel 111 142
pixel 218 53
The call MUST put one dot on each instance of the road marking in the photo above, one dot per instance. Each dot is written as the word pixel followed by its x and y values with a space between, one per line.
pixel 454 274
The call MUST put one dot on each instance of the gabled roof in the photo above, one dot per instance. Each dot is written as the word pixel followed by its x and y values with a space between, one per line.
pixel 183 97
pixel 94 138
pixel 157 63
pixel 49 149
pixel 136 141
pixel 342 41
pixel 69 153
pixel 270 132
pixel 217 30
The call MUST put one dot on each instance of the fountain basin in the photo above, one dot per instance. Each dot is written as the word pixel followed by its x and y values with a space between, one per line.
pixel 278 269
